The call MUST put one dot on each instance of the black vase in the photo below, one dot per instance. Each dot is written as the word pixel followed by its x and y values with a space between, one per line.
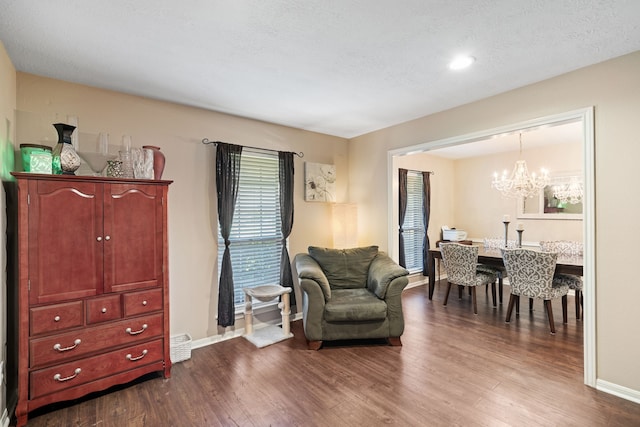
pixel 65 159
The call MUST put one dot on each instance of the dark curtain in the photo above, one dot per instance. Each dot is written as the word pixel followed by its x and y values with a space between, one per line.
pixel 285 167
pixel 426 211
pixel 227 179
pixel 402 196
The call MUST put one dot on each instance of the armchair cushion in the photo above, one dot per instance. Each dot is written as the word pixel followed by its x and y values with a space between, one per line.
pixel 354 305
pixel 345 268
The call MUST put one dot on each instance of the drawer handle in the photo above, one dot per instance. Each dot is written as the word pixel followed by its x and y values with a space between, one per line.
pixel 130 332
pixel 59 347
pixel 107 237
pixel 144 302
pixel 133 359
pixel 99 239
pixel 58 377
pixel 104 309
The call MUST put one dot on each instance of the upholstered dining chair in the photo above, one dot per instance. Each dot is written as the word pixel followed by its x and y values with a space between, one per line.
pixel 531 275
pixel 495 244
pixel 566 248
pixel 460 263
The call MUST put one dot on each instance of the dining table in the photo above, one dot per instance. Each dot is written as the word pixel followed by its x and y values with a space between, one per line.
pixel 493 257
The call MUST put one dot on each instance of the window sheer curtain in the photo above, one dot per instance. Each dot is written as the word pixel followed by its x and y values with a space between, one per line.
pixel 426 211
pixel 286 172
pixel 402 196
pixel 227 179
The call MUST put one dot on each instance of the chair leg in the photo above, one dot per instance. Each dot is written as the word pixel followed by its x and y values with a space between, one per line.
pixel 547 304
pixel 530 304
pixel 394 341
pixel 512 300
pixel 473 298
pixel 578 300
pixel 446 296
pixel 314 345
pixel 517 305
pixel 500 289
pixel 493 293
pixel 564 309
pixel 459 292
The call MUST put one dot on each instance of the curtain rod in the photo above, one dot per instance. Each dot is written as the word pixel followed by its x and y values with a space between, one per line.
pixel 414 170
pixel 206 141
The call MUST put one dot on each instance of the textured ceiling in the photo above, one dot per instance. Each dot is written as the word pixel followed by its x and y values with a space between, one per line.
pixel 338 67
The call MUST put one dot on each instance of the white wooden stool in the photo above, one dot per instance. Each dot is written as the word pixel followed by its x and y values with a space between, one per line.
pixel 269 334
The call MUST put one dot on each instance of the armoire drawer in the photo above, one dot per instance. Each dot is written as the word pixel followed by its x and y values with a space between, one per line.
pixel 51 318
pixel 76 344
pixel 142 302
pixel 104 309
pixel 60 377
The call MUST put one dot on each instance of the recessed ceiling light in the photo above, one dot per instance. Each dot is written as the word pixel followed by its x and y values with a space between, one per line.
pixel 461 62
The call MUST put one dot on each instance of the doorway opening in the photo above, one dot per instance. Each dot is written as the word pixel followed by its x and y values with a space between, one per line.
pixel 489 142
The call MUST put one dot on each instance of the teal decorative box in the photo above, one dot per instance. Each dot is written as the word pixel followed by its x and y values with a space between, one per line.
pixel 41 162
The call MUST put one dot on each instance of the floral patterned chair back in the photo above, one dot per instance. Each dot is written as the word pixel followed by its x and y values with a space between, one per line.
pixel 568 249
pixel 460 263
pixel 531 275
pixel 531 272
pixel 564 248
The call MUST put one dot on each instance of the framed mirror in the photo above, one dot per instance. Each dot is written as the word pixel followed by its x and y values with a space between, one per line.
pixel 561 199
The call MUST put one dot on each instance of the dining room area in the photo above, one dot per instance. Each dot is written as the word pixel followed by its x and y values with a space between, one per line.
pixel 475 200
pixel 552 271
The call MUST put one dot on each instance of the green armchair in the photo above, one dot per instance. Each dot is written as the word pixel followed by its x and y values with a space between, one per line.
pixel 350 294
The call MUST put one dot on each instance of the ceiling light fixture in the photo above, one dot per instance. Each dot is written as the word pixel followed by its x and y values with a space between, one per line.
pixel 569 192
pixel 520 183
pixel 461 62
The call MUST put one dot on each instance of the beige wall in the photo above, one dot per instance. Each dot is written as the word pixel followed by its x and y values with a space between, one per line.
pixel 613 88
pixel 481 208
pixel 178 130
pixel 7 108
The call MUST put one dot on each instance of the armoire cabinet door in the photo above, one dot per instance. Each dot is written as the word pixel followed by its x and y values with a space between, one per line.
pixel 133 224
pixel 65 240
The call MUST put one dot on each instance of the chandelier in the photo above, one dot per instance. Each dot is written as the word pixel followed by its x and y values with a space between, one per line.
pixel 520 183
pixel 569 192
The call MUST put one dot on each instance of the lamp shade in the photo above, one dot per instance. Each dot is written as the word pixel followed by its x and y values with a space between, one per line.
pixel 345 225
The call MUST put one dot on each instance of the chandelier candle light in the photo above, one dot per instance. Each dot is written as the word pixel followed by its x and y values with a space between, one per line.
pixel 505 220
pixel 520 230
pixel 520 183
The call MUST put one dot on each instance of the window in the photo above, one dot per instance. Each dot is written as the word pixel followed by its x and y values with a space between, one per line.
pixel 413 225
pixel 256 237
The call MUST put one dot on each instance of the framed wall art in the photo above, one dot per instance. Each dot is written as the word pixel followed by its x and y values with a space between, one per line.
pixel 319 182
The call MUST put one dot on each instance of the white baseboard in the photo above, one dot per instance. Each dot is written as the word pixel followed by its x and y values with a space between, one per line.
pixel 203 342
pixel 618 390
pixel 417 280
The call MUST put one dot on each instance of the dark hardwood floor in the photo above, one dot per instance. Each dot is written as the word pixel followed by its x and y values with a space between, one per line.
pixel 454 369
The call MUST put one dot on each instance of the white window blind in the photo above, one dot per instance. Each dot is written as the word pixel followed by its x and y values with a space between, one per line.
pixel 413 226
pixel 256 237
